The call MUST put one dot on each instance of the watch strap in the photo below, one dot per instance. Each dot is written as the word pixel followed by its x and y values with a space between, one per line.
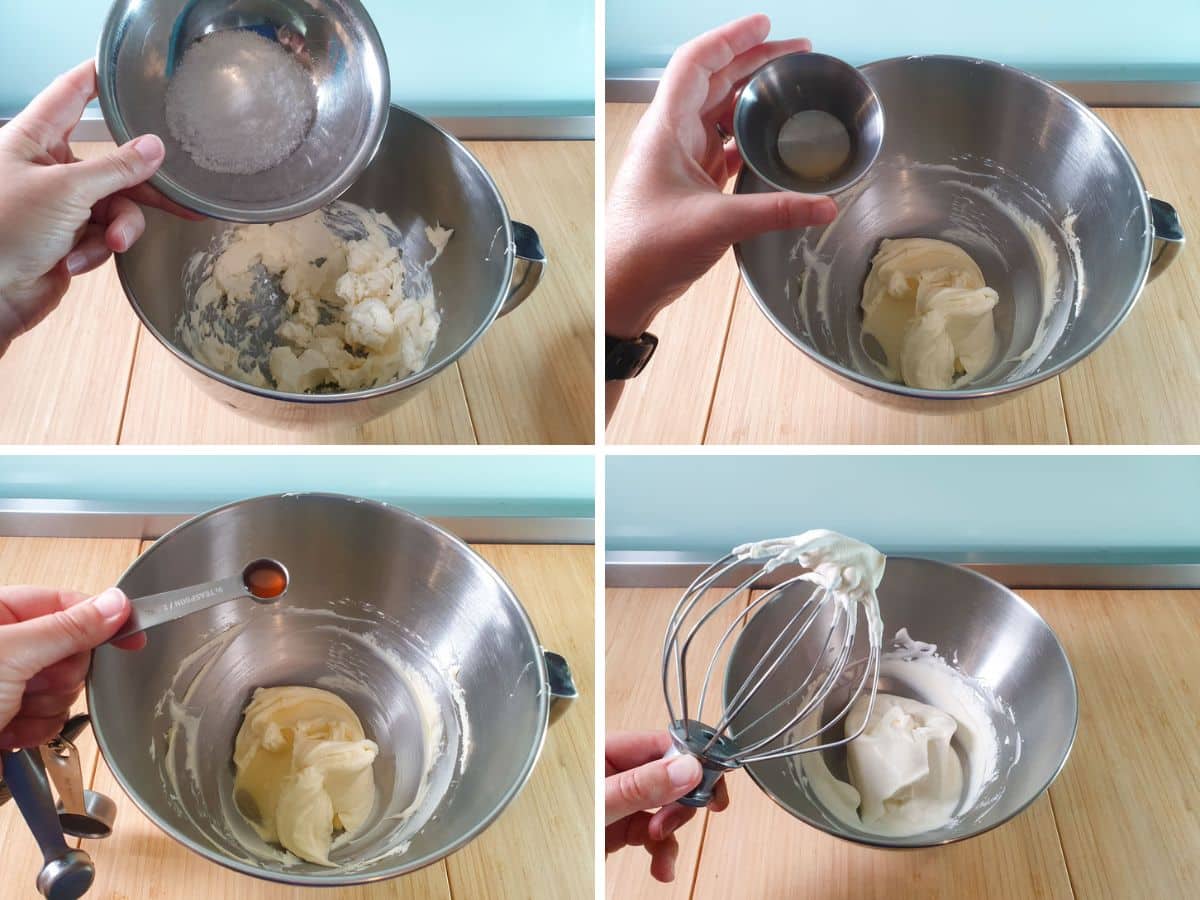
pixel 625 358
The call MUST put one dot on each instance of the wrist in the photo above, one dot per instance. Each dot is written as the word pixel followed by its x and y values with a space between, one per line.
pixel 628 308
pixel 11 326
pixel 626 326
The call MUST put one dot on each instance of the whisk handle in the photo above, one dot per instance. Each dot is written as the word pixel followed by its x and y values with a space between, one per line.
pixel 702 794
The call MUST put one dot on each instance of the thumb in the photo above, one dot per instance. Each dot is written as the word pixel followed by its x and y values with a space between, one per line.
pixel 650 786
pixel 126 167
pixel 34 644
pixel 745 216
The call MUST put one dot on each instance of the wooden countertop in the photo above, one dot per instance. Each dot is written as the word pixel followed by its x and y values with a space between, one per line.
pixel 541 846
pixel 723 374
pixel 91 374
pixel 1121 821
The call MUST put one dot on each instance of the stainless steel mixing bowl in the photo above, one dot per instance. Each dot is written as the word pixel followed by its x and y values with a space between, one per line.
pixel 994 636
pixel 370 585
pixel 142 42
pixel 420 176
pixel 958 128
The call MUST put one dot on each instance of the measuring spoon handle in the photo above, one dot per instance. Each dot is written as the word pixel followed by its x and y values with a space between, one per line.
pixel 26 778
pixel 157 609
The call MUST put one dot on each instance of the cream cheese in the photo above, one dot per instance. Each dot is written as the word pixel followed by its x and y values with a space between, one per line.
pixel 303 770
pixel 347 322
pixel 926 303
pixel 199 682
pixel 980 195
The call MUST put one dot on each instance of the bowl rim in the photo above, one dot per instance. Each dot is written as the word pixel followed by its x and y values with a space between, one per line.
pixel 404 867
pixel 881 842
pixel 968 393
pixel 834 186
pixel 111 35
pixel 379 390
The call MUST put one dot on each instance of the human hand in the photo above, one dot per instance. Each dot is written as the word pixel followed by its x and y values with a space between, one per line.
pixel 638 779
pixel 46 639
pixel 60 216
pixel 668 219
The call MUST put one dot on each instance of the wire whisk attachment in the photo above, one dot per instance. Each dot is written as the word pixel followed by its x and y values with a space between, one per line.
pixel 800 673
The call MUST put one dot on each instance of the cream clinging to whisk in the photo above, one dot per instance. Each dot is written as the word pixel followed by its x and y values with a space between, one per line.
pixel 849 569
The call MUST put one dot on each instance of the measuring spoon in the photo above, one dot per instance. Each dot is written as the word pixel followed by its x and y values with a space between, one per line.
pixel 66 873
pixel 82 813
pixel 263 580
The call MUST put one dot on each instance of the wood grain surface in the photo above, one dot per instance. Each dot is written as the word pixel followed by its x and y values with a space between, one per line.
pixel 540 847
pixel 724 375
pixel 1128 802
pixel 1121 821
pixel 90 374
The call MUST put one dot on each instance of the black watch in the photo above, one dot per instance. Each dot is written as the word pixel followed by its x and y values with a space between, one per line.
pixel 625 359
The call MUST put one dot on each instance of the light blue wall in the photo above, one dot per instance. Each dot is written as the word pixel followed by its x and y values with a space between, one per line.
pixel 441 485
pixel 459 57
pixel 1071 505
pixel 1064 39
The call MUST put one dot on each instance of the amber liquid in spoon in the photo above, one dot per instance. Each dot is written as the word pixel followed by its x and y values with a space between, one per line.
pixel 265 579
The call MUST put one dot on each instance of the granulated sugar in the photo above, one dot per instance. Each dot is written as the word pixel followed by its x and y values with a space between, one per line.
pixel 239 103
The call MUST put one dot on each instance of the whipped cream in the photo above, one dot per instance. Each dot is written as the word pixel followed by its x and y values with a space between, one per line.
pixel 920 764
pixel 907 774
pixel 850 570
pixel 926 303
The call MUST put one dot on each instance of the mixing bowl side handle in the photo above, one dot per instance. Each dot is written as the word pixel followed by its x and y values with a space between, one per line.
pixel 1168 236
pixel 528 266
pixel 561 682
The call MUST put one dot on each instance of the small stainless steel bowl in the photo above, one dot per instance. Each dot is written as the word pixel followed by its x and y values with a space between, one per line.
pixel 142 42
pixel 421 176
pixel 994 636
pixel 795 83
pixel 375 592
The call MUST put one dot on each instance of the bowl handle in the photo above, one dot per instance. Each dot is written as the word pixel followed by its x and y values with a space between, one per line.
pixel 1168 236
pixel 562 684
pixel 527 270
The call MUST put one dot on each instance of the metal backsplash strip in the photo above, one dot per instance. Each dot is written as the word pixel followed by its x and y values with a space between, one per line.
pixel 1099 570
pixel 639 85
pixel 465 128
pixel 96 519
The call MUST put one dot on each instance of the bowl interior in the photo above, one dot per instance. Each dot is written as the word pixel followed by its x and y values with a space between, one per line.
pixel 421 176
pixel 396 617
pixel 986 157
pixel 798 82
pixel 992 636
pixel 334 40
